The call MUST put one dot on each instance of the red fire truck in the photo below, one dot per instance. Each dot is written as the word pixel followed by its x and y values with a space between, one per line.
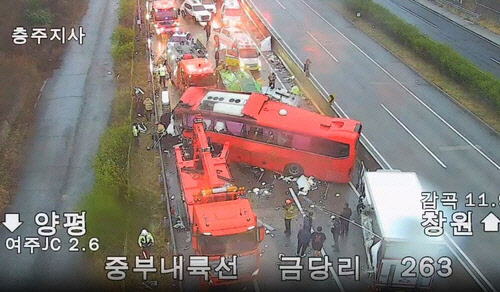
pixel 221 222
pixel 194 72
pixel 272 135
pixel 165 16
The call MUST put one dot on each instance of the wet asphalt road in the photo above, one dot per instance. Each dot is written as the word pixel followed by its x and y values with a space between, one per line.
pixel 71 115
pixel 412 125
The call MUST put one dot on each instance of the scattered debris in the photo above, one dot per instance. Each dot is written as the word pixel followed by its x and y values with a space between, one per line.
pixel 306 184
pixel 287 179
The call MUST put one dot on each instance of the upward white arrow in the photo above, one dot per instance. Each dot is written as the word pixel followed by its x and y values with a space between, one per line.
pixel 12 222
pixel 490 223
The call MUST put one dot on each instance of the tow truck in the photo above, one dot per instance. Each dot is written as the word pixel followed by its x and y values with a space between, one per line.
pixel 221 222
pixel 194 72
pixel 391 211
pixel 187 63
pixel 165 16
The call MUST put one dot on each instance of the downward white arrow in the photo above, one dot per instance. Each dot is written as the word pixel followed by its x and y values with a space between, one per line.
pixel 12 222
pixel 490 223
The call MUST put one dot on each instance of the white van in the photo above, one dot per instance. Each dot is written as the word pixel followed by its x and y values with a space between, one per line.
pixel 231 13
pixel 234 38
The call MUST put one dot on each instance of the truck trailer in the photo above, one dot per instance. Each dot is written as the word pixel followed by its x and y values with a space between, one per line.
pixel 391 214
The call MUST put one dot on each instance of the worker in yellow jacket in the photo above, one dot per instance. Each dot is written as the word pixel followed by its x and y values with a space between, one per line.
pixel 290 213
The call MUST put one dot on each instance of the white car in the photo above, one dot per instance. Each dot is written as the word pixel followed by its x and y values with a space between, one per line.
pixel 195 9
pixel 209 5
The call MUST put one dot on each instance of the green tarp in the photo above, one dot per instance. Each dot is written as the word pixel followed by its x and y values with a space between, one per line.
pixel 238 80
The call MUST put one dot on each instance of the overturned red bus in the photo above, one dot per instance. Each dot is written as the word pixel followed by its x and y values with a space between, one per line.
pixel 272 135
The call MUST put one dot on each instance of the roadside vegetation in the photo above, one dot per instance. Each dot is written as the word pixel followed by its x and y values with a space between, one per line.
pixel 476 90
pixel 22 71
pixel 126 194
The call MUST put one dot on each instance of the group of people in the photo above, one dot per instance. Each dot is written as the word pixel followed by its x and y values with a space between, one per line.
pixel 340 227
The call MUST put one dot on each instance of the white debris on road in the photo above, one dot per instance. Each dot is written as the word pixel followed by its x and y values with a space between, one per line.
pixel 305 184
pixel 287 179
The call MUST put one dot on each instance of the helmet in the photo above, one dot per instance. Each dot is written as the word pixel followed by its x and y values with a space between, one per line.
pixel 288 201
pixel 144 232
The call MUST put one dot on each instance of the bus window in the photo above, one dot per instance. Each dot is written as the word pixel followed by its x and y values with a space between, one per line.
pixel 208 124
pixel 329 148
pixel 189 121
pixel 234 128
pixel 301 142
pixel 256 133
pixel 284 139
pixel 220 127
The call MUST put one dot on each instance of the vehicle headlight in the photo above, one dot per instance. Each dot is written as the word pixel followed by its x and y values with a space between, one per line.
pixel 256 272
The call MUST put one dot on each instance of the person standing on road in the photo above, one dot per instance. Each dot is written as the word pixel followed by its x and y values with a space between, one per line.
pixel 307 64
pixel 148 106
pixel 208 30
pixel 331 99
pixel 308 219
pixel 289 214
pixel 295 90
pixel 303 238
pixel 217 57
pixel 318 238
pixel 335 233
pixel 346 215
pixel 162 72
pixel 272 80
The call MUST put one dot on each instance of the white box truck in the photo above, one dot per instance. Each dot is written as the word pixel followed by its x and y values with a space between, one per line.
pixel 391 214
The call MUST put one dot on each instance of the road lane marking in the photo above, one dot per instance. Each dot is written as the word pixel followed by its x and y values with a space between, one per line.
pixel 255 285
pixel 414 137
pixel 281 4
pixel 495 60
pixel 407 90
pixel 334 275
pixel 418 16
pixel 328 52
pixel 456 148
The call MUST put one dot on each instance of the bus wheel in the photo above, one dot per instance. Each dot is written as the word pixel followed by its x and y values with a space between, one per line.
pixel 293 169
